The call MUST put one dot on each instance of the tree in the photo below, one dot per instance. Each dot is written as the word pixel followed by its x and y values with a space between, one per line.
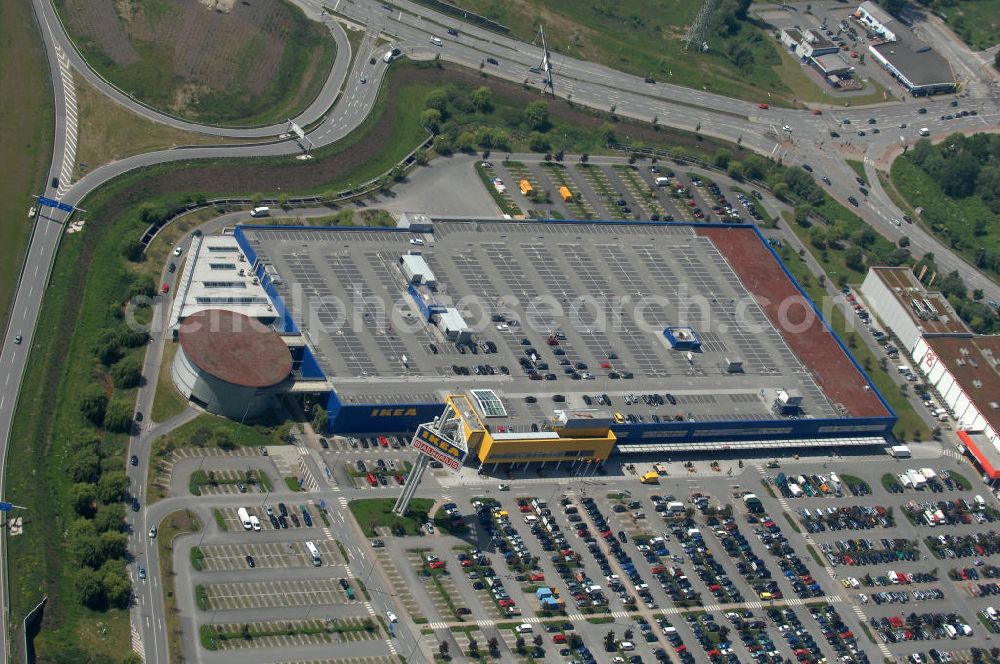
pixel 722 158
pixel 84 499
pixel 118 417
pixel 132 250
pixel 538 142
pixel 996 60
pixel 629 634
pixel 110 518
pixel 127 373
pixel 107 347
pixel 443 649
pixel 536 115
pixel 112 486
pixel 519 645
pixel 482 99
pixel 438 100
pixel 283 200
pixel 538 640
pixel 584 158
pixel 444 145
pixel 431 119
pixel 855 259
pixel 466 142
pixel 320 419
pixel 977 294
pixel 83 466
pixel 953 285
pixel 473 646
pixel 494 646
pixel 112 545
pixel 90 588
pixel 420 156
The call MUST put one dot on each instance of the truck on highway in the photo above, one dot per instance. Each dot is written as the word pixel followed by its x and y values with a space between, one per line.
pixel 244 518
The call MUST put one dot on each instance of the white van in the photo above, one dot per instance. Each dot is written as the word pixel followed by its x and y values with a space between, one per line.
pixel 627 646
pixel 437 41
pixel 924 131
pixel 260 212
pixel 255 523
pixel 662 181
pixel 980 503
pixel 244 517
pixel 524 628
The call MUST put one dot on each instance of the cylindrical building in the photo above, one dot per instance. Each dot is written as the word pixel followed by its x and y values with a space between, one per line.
pixel 231 364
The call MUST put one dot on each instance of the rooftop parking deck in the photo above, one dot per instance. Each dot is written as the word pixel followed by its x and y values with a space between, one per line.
pixel 589 301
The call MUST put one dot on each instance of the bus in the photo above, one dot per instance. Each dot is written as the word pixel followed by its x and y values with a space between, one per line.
pixel 314 552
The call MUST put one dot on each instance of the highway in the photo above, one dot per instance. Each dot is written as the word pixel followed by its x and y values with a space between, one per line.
pixel 806 140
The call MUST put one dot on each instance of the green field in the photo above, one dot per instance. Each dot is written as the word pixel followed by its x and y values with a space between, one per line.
pixel 646 38
pixel 26 139
pixel 977 22
pixel 954 220
pixel 372 513
pixel 256 64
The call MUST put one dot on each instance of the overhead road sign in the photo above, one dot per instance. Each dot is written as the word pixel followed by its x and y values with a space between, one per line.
pixel 51 202
pixel 438 447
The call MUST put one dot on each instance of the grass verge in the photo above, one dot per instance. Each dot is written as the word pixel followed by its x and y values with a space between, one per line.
pixel 177 523
pixel 858 167
pixel 108 131
pixel 372 513
pixel 220 520
pixel 168 401
pixel 26 141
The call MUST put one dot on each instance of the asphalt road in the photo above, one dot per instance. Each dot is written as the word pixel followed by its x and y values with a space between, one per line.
pixel 594 85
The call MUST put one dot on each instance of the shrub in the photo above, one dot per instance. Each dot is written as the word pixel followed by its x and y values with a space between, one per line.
pixel 127 373
pixel 118 417
pixel 111 487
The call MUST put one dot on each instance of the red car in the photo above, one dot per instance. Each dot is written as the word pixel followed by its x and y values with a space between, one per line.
pixel 537 576
pixel 372 480
pixel 165 288
pixel 399 479
pixel 559 638
pixel 764 106
pixel 505 602
pixel 437 564
pixel 817 111
pixel 383 441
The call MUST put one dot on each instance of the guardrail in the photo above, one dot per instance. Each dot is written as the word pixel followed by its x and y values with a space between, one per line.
pixel 301 201
pixel 468 16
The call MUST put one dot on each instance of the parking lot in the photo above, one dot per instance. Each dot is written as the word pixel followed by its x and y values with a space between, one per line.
pixel 618 191
pixel 687 566
pixel 273 594
pixel 224 557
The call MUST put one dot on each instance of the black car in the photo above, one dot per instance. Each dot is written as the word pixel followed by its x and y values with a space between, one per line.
pixel 55 183
pixel 492 61
pixel 172 268
pixel 324 443
pixel 826 180
pixel 134 460
pixel 650 79
pixel 860 181
pixel 295 520
pixel 453 32
pixel 807 167
pixel 954 103
pixel 135 504
pixel 922 111
pixel 864 191
pixel 274 521
pixel 282 510
pixel 251 563
pixel 138 416
pixel 853 201
pixel 282 521
pixel 834 134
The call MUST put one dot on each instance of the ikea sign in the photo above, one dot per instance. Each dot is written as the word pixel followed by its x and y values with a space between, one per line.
pixel 394 412
pixel 438 447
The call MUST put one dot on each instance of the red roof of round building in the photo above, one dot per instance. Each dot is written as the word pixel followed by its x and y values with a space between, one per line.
pixel 235 348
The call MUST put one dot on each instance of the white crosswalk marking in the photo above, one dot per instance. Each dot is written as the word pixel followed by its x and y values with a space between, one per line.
pixel 137 646
pixel 69 153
